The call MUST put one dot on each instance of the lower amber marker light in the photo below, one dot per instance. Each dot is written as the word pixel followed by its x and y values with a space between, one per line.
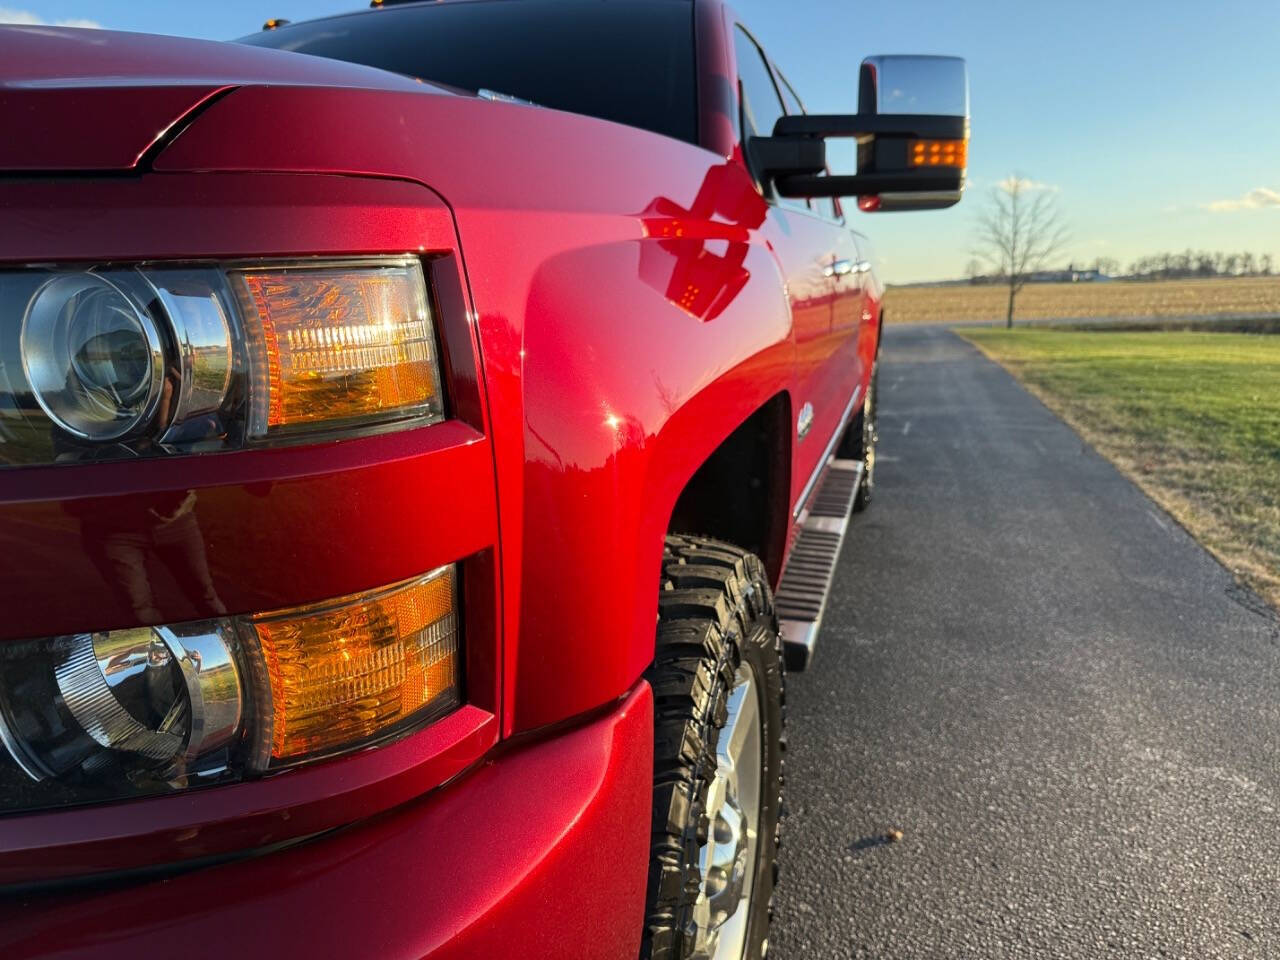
pixel 360 668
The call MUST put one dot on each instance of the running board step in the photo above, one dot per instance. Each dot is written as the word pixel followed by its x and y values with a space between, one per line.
pixel 806 582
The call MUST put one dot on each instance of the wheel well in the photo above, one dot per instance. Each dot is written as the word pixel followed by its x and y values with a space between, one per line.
pixel 740 494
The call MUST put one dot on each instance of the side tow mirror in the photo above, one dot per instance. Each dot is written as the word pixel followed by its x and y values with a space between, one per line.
pixel 912 128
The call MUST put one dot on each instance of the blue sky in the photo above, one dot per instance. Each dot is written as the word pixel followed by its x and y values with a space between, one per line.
pixel 1156 122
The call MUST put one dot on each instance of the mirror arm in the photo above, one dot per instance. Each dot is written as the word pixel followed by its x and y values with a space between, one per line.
pixel 867 184
pixel 782 156
pixel 923 126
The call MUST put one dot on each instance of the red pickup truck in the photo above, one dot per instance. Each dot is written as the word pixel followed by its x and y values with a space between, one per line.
pixel 359 421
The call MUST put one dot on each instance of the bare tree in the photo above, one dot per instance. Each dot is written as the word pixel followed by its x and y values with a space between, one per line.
pixel 1019 231
pixel 1106 266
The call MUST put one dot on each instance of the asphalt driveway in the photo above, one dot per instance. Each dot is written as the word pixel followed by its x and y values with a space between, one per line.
pixel 1065 705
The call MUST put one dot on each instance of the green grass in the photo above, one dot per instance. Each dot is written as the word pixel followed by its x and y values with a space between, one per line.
pixel 1194 418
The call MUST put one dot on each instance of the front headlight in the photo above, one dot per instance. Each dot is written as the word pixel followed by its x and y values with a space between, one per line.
pixel 127 361
pixel 151 710
pixel 92 356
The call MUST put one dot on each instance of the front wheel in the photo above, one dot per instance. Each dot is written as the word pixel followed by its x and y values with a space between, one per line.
pixel 717 680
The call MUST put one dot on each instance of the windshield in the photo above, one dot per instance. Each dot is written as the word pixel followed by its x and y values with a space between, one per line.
pixel 630 62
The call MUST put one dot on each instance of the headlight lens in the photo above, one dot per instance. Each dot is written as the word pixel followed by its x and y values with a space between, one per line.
pixel 93 357
pixel 125 713
pixel 152 359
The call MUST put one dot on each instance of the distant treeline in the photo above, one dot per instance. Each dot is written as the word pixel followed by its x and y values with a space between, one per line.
pixel 1194 263
pixel 1189 264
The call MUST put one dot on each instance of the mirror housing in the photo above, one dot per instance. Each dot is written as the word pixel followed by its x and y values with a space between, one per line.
pixel 914 85
pixel 912 128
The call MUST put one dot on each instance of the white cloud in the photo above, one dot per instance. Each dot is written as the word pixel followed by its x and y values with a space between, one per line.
pixel 1024 184
pixel 27 18
pixel 1253 200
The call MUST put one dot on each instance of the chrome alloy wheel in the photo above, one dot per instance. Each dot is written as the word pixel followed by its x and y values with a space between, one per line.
pixel 722 912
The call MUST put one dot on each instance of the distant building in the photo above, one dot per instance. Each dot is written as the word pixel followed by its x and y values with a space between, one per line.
pixel 1069 275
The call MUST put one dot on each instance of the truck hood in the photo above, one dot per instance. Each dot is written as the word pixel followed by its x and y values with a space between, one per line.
pixel 75 100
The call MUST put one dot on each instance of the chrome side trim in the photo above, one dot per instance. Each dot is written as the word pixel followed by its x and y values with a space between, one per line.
pixel 826 455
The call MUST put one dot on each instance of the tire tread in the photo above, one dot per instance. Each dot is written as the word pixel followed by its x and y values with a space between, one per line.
pixel 711 596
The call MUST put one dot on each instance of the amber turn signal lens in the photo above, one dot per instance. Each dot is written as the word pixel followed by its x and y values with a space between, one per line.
pixel 359 668
pixel 338 346
pixel 939 153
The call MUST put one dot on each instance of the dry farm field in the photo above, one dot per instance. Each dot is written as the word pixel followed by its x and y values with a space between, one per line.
pixel 1226 296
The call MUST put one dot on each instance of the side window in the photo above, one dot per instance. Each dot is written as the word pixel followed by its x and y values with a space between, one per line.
pixel 761 103
pixel 789 98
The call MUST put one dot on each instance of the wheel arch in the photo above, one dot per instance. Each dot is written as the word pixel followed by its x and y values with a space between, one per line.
pixel 740 492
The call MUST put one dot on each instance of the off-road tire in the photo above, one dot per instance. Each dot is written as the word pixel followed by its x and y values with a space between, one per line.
pixel 715 609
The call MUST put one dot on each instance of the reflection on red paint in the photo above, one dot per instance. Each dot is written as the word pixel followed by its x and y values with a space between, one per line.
pixel 698 260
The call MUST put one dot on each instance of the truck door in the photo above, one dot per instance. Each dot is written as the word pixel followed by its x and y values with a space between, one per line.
pixel 849 268
pixel 819 262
